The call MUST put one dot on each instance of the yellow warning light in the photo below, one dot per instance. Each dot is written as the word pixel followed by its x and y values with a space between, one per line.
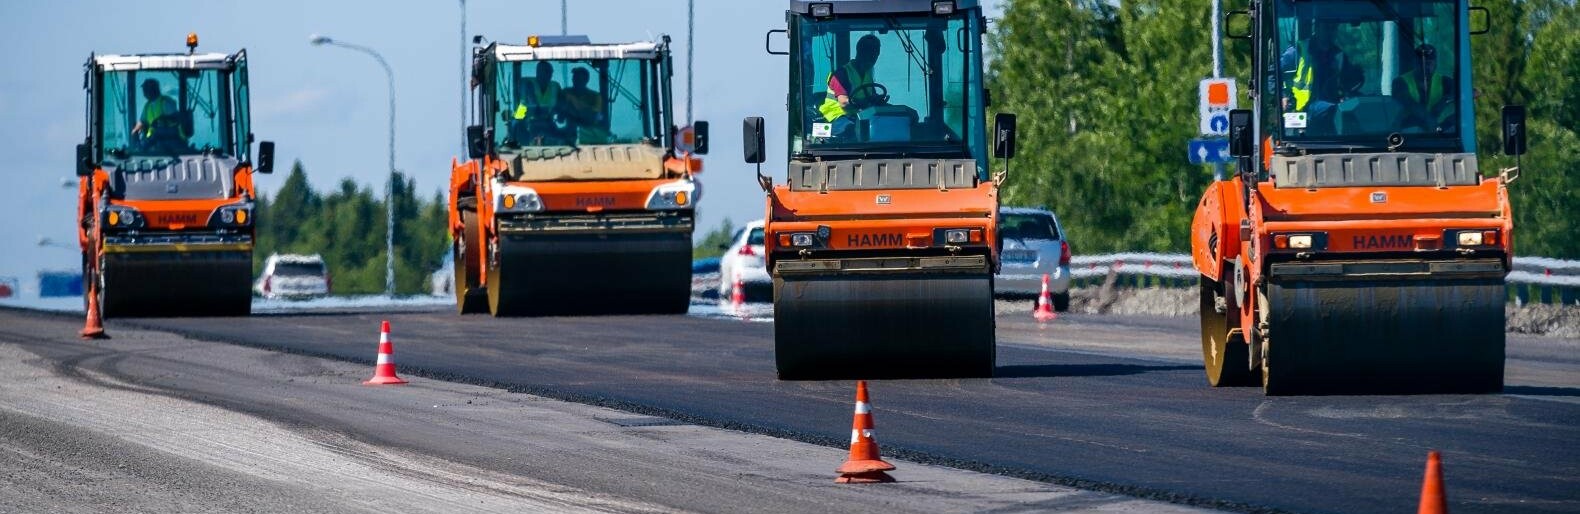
pixel 532 41
pixel 241 217
pixel 680 198
pixel 192 40
pixel 115 218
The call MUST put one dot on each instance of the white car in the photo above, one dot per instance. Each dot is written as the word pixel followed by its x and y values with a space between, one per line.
pixel 1032 245
pixel 293 276
pixel 745 255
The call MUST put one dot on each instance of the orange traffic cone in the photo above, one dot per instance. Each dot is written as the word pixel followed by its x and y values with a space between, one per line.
pixel 738 294
pixel 1433 499
pixel 1044 312
pixel 384 369
pixel 864 465
pixel 93 328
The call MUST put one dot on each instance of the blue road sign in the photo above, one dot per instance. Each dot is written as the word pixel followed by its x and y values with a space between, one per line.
pixel 1208 151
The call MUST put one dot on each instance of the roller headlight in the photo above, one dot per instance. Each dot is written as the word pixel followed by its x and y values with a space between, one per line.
pixel 516 199
pixel 802 239
pixel 1471 238
pixel 120 216
pixel 235 215
pixel 681 194
pixel 1302 241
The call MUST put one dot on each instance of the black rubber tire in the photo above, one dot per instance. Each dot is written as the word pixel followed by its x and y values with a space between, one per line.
pixel 469 298
pixel 1061 302
pixel 1226 359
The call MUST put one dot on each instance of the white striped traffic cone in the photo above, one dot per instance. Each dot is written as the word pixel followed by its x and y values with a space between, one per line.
pixel 1044 311
pixel 384 369
pixel 864 465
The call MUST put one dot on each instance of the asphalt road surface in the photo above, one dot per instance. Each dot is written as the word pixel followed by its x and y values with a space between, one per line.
pixel 1115 405
pixel 153 422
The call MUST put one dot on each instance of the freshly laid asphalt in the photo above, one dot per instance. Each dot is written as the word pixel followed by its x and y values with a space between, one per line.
pixel 1106 403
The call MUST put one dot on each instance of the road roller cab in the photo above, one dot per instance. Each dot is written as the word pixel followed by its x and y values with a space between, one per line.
pixel 881 239
pixel 579 194
pixel 1361 247
pixel 166 196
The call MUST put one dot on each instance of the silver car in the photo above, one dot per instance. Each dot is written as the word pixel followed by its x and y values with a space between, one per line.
pixel 1032 244
pixel 293 277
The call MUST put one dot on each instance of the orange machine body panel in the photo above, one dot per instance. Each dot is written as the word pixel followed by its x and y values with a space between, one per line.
pixel 865 220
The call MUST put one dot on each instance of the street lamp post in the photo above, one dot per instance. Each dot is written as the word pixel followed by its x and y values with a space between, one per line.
pixel 389 184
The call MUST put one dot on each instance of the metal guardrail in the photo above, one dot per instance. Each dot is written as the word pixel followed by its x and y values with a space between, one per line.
pixel 1533 279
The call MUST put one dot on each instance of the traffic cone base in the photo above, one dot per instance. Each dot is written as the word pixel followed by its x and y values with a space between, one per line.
pixel 870 477
pixel 384 381
pixel 384 368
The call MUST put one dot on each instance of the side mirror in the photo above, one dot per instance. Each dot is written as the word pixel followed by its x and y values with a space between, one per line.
pixel 1237 24
pixel 768 42
pixel 699 138
pixel 476 142
pixel 84 160
pixel 1480 21
pixel 1242 139
pixel 1004 135
pixel 752 140
pixel 1514 130
pixel 265 157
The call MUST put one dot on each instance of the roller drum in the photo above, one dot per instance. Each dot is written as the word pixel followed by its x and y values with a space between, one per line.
pixel 159 284
pixel 551 274
pixel 1384 336
pixel 855 326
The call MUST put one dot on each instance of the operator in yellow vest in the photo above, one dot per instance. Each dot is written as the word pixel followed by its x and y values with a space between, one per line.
pixel 851 88
pixel 159 122
pixel 1312 79
pixel 583 108
pixel 537 99
pixel 1423 87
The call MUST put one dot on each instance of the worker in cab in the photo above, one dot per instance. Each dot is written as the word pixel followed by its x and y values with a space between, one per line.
pixel 1426 92
pixel 159 125
pixel 537 99
pixel 583 108
pixel 851 88
pixel 1314 82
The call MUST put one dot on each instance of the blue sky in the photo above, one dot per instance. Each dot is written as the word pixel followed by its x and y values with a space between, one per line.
pixel 327 106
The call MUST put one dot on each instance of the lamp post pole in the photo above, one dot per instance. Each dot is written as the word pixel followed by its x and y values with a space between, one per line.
pixel 389 184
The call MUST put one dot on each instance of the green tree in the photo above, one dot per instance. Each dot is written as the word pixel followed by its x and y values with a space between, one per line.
pixel 710 244
pixel 347 228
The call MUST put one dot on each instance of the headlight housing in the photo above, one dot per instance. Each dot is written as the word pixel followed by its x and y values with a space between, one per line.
pixel 682 194
pixel 121 216
pixel 234 215
pixel 511 198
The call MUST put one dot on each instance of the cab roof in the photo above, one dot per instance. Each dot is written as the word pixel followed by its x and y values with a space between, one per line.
pixel 877 6
pixel 204 61
pixel 549 50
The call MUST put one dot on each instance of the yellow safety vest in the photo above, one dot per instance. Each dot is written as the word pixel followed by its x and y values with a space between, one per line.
pixel 831 109
pixel 544 97
pixel 1300 86
pixel 1434 93
pixel 155 112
